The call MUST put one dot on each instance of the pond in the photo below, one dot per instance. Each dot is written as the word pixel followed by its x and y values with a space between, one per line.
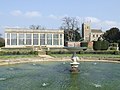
pixel 56 76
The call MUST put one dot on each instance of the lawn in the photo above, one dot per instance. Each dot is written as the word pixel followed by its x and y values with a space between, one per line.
pixel 88 55
pixel 61 55
pixel 16 56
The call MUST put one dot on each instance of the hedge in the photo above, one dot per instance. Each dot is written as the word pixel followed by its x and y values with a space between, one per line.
pixel 18 53
pixel 84 52
pixel 100 52
pixel 58 52
pixel 100 45
pixel 84 44
pixel 2 44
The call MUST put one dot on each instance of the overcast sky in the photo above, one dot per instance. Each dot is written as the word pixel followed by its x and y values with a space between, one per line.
pixel 103 14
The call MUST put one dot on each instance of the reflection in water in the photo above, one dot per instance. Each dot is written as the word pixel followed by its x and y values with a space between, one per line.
pixel 11 68
pixel 74 84
pixel 34 64
pixel 95 63
pixel 63 62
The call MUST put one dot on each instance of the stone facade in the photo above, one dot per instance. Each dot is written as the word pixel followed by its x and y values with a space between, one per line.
pixel 89 34
pixel 86 31
pixel 72 44
pixel 95 34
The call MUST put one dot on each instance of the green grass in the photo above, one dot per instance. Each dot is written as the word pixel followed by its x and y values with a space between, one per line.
pixel 88 55
pixel 17 56
pixel 61 55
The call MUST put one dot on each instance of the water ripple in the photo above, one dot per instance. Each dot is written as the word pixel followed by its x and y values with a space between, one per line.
pixel 2 79
pixel 45 84
pixel 97 85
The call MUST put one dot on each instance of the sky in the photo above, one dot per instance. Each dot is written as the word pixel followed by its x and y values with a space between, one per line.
pixel 102 14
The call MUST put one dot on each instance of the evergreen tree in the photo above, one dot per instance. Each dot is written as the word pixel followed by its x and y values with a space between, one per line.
pixel 112 35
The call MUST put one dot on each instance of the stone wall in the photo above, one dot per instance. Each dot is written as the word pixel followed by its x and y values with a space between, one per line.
pixel 72 44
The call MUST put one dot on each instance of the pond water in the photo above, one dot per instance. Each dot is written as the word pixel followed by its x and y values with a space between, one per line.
pixel 56 76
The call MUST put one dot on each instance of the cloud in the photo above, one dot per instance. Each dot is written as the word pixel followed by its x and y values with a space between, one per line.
pixel 10 27
pixel 98 23
pixel 26 14
pixel 53 16
pixel 61 17
pixel 92 19
pixel 16 13
pixel 33 14
pixel 111 23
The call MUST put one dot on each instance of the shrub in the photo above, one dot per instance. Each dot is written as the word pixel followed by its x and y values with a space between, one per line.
pixel 100 52
pixel 112 48
pixel 2 42
pixel 48 52
pixel 97 45
pixel 104 45
pixel 116 52
pixel 19 53
pixel 81 52
pixel 35 53
pixel 84 44
pixel 100 45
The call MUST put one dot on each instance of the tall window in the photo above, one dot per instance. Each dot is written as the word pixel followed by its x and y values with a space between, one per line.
pixel 55 39
pixel 8 38
pixel 42 39
pixel 35 39
pixel 21 39
pixel 49 39
pixel 28 39
pixel 97 35
pixel 13 39
pixel 60 39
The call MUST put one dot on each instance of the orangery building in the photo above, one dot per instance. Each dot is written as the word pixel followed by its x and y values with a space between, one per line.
pixel 23 37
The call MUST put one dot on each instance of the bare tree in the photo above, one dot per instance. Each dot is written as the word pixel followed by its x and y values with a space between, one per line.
pixel 36 27
pixel 71 26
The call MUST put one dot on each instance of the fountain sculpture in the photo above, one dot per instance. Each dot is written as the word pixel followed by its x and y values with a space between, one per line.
pixel 74 58
pixel 74 64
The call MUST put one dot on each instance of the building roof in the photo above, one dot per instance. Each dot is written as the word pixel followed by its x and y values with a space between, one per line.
pixel 26 30
pixel 96 31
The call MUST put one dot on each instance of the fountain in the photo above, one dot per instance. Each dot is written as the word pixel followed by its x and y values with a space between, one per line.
pixel 56 76
pixel 74 64
pixel 74 58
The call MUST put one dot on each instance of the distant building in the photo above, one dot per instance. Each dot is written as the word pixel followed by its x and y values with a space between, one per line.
pixel 22 37
pixel 95 34
pixel 86 31
pixel 89 34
